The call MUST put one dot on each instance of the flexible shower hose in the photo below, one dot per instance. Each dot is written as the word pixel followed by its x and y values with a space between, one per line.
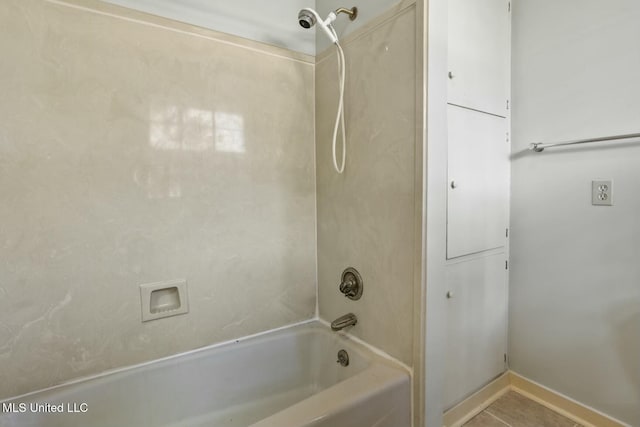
pixel 340 114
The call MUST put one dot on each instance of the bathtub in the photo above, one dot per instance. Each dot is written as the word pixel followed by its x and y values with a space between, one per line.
pixel 283 378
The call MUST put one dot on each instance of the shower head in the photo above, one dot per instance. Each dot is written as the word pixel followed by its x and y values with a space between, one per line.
pixel 307 18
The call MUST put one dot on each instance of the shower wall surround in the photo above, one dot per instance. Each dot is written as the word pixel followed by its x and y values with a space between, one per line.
pixel 367 216
pixel 134 149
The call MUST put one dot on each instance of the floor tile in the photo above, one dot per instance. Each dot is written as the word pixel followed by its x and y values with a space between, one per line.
pixel 518 411
pixel 484 419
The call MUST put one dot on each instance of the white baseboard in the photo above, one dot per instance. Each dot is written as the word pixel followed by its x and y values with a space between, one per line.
pixel 563 405
pixel 480 400
pixel 477 402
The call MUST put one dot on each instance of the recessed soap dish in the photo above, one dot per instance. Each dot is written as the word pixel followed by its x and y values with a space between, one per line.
pixel 163 299
pixel 166 299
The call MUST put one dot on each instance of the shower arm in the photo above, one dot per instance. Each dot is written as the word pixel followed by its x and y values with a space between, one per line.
pixel 353 12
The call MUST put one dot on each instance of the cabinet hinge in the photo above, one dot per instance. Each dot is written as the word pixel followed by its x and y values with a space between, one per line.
pixel 507 104
pixel 506 265
pixel 509 7
pixel 506 232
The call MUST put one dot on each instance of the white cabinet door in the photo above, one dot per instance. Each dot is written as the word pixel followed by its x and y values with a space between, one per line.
pixel 476 325
pixel 478 169
pixel 479 54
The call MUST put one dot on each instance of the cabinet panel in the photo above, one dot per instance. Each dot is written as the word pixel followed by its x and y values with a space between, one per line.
pixel 479 54
pixel 476 325
pixel 478 168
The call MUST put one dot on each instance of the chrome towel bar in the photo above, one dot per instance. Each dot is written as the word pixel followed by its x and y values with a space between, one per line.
pixel 539 146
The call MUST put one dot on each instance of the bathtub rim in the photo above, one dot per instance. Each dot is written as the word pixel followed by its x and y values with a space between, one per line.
pixel 376 354
pixel 343 395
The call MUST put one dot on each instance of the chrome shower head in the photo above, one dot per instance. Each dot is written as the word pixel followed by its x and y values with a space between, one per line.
pixel 306 18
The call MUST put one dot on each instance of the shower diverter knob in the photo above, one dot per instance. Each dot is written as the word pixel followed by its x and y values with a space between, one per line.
pixel 351 284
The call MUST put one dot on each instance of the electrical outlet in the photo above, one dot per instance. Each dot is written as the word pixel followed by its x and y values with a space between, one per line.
pixel 602 192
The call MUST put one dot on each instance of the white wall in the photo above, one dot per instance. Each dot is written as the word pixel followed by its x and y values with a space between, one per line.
pixel 435 208
pixel 575 272
pixel 274 23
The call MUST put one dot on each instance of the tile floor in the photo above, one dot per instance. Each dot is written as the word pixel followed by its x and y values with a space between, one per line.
pixel 515 410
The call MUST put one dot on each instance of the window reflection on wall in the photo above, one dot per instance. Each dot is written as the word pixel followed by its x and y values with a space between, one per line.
pixel 191 129
pixel 174 128
pixel 176 134
pixel 229 133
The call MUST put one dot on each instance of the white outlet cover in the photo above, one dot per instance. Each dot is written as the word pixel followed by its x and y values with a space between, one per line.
pixel 602 192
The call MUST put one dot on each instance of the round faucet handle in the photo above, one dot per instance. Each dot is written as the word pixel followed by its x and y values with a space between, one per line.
pixel 351 284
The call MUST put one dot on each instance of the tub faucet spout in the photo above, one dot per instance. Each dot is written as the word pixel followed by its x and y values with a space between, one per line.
pixel 344 321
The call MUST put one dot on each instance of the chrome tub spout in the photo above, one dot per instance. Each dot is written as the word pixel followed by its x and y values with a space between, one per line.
pixel 344 321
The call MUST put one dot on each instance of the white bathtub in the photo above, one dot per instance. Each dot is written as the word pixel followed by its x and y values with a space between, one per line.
pixel 285 378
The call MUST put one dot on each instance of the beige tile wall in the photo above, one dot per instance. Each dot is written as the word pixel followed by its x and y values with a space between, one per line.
pixel 133 153
pixel 366 216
